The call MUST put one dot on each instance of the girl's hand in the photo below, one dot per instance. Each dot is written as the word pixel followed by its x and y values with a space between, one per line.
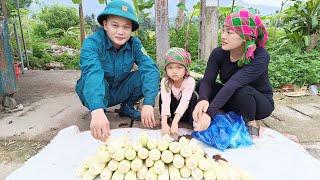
pixel 165 128
pixel 174 130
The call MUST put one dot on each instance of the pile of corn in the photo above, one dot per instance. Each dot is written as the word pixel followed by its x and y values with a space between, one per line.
pixel 156 159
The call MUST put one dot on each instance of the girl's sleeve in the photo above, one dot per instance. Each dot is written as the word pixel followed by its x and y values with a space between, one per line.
pixel 166 99
pixel 189 87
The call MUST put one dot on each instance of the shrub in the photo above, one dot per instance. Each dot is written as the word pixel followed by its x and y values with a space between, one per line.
pixel 58 16
pixel 298 69
pixel 69 41
pixel 178 38
pixel 70 62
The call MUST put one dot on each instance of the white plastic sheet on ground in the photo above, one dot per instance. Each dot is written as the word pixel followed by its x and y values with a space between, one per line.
pixel 271 157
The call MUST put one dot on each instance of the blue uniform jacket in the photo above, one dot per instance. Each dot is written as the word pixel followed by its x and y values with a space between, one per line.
pixel 103 67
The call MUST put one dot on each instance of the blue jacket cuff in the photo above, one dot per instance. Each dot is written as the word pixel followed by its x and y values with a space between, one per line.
pixel 148 102
pixel 95 106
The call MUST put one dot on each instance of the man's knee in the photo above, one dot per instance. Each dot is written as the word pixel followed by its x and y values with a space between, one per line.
pixel 135 78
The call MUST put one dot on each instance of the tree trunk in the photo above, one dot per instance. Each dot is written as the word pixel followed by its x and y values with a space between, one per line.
pixel 180 16
pixel 3 8
pixel 82 32
pixel 162 27
pixel 208 29
pixel 313 41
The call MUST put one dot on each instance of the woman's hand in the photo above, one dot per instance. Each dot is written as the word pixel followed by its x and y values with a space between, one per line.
pixel 203 123
pixel 201 107
pixel 99 125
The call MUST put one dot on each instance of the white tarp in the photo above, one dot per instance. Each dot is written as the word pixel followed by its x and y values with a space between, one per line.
pixel 273 156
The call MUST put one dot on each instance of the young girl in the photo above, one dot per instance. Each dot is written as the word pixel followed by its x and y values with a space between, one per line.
pixel 177 97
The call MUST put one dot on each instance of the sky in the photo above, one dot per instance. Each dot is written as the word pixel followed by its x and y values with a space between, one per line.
pixel 92 6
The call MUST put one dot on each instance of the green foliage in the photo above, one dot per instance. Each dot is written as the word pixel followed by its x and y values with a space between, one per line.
pixel 40 55
pixel 142 5
pixel 91 22
pixel 69 41
pixel 298 69
pixel 39 49
pixel 70 62
pixel 143 17
pixel 150 46
pixel 76 1
pixel 223 13
pixel 55 32
pixel 178 38
pixel 302 20
pixel 61 17
pixel 40 29
pixel 12 6
pixel 182 6
pixel 198 66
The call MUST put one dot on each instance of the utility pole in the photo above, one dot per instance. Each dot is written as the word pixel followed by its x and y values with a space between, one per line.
pixel 22 36
pixel 162 30
pixel 82 32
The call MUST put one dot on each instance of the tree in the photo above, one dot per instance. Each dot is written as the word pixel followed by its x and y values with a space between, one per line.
pixel 81 19
pixel 4 11
pixel 180 17
pixel 12 4
pixel 144 21
pixel 208 29
pixel 195 13
pixel 162 30
pixel 57 16
pixel 91 22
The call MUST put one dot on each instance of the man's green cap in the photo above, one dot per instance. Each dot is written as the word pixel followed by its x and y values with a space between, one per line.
pixel 119 8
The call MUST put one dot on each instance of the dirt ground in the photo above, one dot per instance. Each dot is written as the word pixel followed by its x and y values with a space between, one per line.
pixel 37 85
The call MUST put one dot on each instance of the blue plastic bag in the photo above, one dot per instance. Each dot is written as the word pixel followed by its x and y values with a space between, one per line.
pixel 225 131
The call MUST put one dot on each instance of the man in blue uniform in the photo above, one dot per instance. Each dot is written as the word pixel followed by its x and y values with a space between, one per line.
pixel 106 60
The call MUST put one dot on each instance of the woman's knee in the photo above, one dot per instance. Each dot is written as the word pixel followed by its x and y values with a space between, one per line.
pixel 244 94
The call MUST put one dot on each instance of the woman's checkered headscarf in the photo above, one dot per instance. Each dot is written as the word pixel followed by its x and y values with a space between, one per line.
pixel 251 29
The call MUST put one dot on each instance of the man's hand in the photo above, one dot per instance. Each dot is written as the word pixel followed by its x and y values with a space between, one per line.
pixel 99 126
pixel 201 107
pixel 147 116
pixel 203 123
